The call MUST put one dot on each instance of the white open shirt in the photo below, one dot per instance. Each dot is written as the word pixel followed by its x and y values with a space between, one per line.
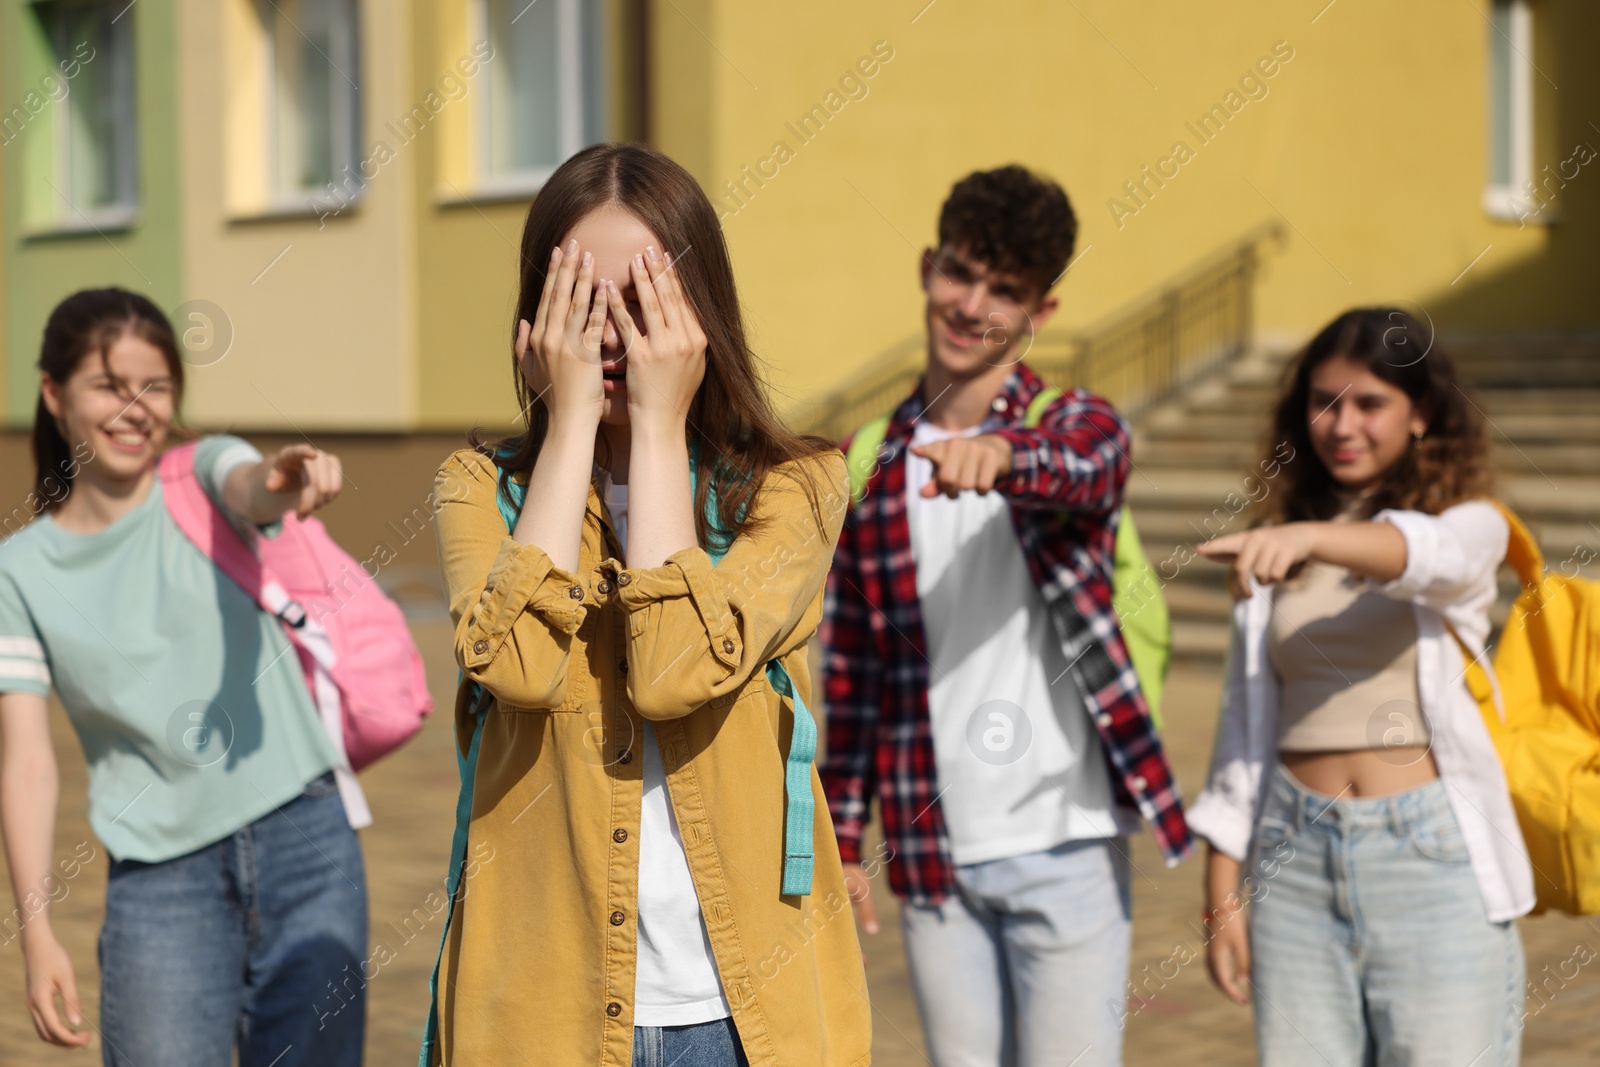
pixel 1449 578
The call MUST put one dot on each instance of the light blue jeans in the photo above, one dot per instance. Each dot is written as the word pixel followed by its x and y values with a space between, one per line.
pixel 1027 964
pixel 1369 943
pixel 713 1044
pixel 258 941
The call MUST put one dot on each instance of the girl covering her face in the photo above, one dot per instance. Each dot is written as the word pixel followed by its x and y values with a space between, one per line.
pixel 634 578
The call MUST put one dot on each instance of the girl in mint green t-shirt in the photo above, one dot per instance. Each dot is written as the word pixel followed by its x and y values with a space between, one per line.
pixel 236 893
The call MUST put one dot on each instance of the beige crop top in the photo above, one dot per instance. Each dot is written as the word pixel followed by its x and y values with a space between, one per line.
pixel 1346 659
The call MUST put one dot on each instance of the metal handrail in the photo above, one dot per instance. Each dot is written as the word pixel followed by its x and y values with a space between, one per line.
pixel 1136 357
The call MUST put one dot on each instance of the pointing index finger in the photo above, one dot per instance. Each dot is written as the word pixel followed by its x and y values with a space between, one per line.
pixel 296 455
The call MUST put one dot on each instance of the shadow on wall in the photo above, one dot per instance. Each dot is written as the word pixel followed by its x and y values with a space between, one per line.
pixel 1553 291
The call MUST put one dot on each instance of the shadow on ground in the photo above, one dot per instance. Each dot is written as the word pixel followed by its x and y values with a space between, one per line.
pixel 1176 1018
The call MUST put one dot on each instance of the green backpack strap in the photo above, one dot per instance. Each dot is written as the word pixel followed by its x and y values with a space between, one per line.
pixel 1141 613
pixel 861 459
pixel 1135 593
pixel 1036 407
pixel 1135 589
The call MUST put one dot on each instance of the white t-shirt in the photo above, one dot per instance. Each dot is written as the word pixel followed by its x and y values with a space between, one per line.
pixel 676 983
pixel 1019 765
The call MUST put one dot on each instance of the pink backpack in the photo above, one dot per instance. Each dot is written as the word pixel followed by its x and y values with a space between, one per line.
pixel 361 665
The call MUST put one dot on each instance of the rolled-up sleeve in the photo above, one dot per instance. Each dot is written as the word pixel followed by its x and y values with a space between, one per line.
pixel 1451 558
pixel 1076 459
pixel 514 611
pixel 697 631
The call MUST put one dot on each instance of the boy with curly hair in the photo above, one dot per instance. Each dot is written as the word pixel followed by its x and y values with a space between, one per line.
pixel 976 679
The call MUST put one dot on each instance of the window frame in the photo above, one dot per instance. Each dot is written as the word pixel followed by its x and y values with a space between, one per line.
pixel 575 81
pixel 122 212
pixel 346 113
pixel 1509 201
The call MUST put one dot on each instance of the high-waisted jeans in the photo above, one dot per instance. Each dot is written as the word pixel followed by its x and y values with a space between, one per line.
pixel 1369 942
pixel 257 940
pixel 713 1044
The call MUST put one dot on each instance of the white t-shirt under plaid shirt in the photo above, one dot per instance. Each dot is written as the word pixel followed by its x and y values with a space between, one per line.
pixel 1020 767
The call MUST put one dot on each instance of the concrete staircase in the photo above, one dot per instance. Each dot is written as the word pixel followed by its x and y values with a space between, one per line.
pixel 1196 464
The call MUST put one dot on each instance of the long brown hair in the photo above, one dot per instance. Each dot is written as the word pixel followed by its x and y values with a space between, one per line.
pixel 737 435
pixel 89 322
pixel 1448 465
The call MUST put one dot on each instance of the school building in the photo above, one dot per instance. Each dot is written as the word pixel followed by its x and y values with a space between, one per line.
pixel 328 194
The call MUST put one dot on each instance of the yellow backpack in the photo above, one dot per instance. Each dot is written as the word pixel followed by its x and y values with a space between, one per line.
pixel 1547 664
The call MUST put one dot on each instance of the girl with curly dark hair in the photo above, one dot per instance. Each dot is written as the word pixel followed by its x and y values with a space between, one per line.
pixel 1353 777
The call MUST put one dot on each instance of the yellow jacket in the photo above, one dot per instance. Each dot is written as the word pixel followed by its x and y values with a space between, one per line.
pixel 539 955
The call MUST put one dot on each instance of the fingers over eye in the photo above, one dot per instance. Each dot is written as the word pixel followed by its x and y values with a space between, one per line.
pixel 665 280
pixel 583 289
pixel 561 295
pixel 619 314
pixel 649 299
pixel 551 267
pixel 594 331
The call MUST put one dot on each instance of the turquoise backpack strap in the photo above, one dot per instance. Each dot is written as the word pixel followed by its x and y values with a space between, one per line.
pixel 798 858
pixel 509 498
pixel 467 766
pixel 799 810
pixel 861 459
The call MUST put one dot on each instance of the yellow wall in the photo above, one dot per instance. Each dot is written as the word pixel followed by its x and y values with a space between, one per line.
pixel 467 247
pixel 1371 142
pixel 325 336
pixel 468 242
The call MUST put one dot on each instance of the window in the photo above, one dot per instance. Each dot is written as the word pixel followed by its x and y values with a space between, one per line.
pixel 545 99
pixel 313 101
pixel 94 169
pixel 1510 109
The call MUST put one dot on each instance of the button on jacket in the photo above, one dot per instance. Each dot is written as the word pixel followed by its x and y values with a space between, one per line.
pixel 540 950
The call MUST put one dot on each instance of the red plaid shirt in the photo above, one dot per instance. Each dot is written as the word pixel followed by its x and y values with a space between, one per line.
pixel 1065 488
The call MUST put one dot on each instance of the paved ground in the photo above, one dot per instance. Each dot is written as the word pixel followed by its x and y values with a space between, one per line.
pixel 413 794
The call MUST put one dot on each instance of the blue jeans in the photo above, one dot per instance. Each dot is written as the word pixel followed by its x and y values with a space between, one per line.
pixel 1027 963
pixel 1369 942
pixel 713 1044
pixel 259 939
